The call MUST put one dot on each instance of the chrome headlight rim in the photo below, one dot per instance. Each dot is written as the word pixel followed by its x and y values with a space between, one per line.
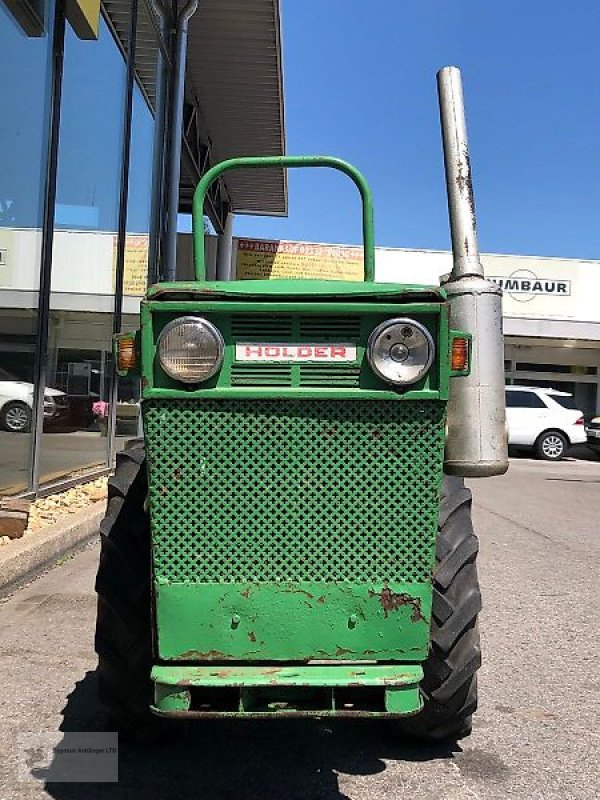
pixel 215 333
pixel 380 329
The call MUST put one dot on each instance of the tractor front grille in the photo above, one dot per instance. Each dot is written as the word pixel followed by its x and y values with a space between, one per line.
pixel 261 374
pixel 296 328
pixel 261 327
pixel 294 490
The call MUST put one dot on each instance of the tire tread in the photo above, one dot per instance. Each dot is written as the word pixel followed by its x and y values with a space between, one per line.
pixel 123 638
pixel 449 686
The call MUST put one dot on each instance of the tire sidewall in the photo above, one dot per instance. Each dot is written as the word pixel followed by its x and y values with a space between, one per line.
pixel 5 411
pixel 539 446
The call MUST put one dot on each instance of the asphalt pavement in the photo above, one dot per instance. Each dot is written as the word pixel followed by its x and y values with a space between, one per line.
pixel 535 735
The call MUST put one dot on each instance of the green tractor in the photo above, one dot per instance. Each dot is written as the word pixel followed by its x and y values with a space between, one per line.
pixel 293 536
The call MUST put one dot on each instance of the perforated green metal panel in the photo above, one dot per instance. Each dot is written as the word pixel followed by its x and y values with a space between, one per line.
pixel 294 490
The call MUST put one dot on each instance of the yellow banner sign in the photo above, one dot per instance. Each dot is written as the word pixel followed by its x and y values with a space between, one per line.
pixel 135 277
pixel 259 258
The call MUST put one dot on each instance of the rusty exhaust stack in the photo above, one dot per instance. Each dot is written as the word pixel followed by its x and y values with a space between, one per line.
pixel 476 444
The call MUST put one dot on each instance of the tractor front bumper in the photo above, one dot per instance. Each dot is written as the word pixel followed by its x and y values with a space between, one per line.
pixel 349 690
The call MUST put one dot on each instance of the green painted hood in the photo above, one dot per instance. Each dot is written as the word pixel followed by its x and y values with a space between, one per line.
pixel 305 289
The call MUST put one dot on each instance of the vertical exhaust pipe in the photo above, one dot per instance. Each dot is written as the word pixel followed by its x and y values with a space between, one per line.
pixel 476 444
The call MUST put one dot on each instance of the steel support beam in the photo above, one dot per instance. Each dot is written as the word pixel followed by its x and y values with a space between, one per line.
pixel 197 157
pixel 175 136
pixel 182 152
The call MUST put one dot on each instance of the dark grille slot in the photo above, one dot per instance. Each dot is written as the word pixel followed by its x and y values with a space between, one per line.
pixel 261 374
pixel 338 327
pixel 263 328
pixel 329 375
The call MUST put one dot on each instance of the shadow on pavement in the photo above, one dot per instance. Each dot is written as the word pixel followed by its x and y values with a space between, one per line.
pixel 233 759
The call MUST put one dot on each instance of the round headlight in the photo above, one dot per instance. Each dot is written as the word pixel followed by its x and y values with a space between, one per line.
pixel 190 349
pixel 400 351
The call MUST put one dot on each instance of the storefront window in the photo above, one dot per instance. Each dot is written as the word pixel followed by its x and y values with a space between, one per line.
pixel 84 254
pixel 139 200
pixel 25 73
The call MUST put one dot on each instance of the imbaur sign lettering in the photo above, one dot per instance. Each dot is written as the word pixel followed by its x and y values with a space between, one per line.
pixel 523 285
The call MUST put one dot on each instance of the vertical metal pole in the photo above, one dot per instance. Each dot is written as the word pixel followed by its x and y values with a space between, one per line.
pixel 122 228
pixel 476 444
pixel 157 213
pixel 175 130
pixel 225 250
pixel 39 378
pixel 461 201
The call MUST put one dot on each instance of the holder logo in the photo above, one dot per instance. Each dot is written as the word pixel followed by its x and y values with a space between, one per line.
pixel 273 351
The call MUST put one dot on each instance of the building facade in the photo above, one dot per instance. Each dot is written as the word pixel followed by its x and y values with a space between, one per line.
pixel 551 317
pixel 86 136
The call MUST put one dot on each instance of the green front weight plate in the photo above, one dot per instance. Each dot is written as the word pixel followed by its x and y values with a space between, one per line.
pixel 266 690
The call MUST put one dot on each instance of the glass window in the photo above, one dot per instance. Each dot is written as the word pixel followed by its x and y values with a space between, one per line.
pixel 523 400
pixel 564 400
pixel 535 401
pixel 25 67
pixel 138 213
pixel 85 243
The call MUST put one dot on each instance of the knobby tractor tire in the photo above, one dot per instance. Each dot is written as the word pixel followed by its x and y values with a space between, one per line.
pixel 449 686
pixel 123 586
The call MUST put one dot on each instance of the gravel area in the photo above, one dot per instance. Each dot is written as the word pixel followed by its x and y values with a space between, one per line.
pixel 49 510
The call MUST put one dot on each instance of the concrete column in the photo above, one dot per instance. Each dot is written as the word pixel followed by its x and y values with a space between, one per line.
pixel 225 270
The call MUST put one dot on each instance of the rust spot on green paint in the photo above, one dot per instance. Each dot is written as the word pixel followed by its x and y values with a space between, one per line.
pixel 196 655
pixel 321 599
pixel 393 601
pixel 252 636
pixel 342 651
pixel 246 593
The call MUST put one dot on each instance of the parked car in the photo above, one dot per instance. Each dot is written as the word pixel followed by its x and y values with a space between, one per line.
pixel 543 419
pixel 16 404
pixel 593 433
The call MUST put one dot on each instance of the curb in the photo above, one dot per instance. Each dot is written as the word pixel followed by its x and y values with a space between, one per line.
pixel 23 559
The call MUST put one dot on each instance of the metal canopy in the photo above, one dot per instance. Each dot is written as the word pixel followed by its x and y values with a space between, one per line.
pixel 233 102
pixel 234 77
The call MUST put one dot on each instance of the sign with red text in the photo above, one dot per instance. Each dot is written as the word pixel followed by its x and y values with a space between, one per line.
pixel 258 258
pixel 274 352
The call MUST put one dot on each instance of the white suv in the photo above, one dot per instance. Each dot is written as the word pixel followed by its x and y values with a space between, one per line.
pixel 16 404
pixel 544 419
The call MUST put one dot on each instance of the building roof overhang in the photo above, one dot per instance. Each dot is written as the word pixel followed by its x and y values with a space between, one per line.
pixel 234 76
pixel 234 94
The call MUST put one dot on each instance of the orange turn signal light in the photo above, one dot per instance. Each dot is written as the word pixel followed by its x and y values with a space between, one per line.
pixel 460 354
pixel 126 358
